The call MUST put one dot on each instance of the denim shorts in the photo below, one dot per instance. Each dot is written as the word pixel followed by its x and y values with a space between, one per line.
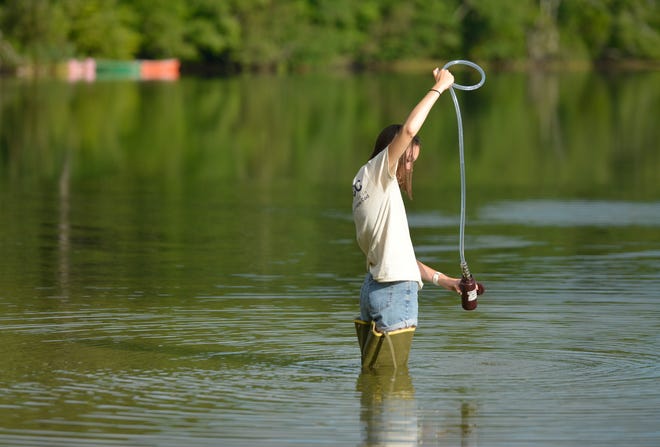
pixel 391 305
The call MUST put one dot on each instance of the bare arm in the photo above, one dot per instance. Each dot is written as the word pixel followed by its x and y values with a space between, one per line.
pixel 443 80
pixel 445 281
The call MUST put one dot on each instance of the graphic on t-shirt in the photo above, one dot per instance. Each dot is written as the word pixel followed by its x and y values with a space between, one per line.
pixel 357 186
pixel 360 197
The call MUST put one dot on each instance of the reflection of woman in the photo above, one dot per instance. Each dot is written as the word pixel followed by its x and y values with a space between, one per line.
pixel 394 275
pixel 388 408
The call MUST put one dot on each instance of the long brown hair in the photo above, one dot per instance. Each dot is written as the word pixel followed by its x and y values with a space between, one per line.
pixel 403 175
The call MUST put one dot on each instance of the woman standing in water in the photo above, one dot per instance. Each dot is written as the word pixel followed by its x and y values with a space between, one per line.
pixel 394 275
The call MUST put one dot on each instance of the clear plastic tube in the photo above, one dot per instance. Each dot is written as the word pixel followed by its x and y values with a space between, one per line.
pixel 460 145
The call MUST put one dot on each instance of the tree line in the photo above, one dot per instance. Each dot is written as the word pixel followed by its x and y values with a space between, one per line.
pixel 298 35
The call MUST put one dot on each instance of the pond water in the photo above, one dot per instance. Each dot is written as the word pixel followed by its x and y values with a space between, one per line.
pixel 179 265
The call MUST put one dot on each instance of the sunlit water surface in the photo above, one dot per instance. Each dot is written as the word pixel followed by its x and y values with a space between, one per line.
pixel 167 311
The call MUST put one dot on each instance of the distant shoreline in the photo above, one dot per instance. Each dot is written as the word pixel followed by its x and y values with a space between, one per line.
pixel 54 70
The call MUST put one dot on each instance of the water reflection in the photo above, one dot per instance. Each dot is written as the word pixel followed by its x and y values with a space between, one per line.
pixel 537 133
pixel 388 408
pixel 544 92
pixel 179 265
pixel 391 415
pixel 64 226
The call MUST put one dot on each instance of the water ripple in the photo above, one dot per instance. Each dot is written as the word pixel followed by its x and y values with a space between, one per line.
pixel 572 213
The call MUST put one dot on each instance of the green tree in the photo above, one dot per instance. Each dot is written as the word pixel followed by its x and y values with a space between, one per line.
pixel 36 29
pixel 497 30
pixel 286 35
pixel 610 29
pixel 162 25
pixel 193 30
pixel 102 28
pixel 213 29
pixel 586 27
pixel 636 30
pixel 409 30
pixel 271 33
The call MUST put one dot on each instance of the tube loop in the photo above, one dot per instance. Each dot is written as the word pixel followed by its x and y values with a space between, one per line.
pixel 469 64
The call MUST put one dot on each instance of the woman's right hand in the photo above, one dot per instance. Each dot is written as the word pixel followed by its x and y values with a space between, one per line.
pixel 443 79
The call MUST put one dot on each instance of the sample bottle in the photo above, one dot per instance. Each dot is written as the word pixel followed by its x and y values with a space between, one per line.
pixel 469 289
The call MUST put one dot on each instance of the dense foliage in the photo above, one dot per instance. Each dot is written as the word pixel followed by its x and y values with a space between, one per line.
pixel 284 35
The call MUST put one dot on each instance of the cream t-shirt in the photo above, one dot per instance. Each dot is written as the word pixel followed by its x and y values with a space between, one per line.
pixel 381 223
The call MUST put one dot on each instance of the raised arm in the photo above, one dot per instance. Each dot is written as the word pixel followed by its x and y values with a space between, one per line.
pixel 443 80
